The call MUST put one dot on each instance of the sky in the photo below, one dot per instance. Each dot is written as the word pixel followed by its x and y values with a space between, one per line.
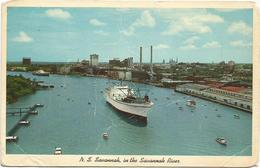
pixel 71 34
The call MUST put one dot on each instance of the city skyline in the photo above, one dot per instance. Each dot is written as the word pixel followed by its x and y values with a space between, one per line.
pixel 69 34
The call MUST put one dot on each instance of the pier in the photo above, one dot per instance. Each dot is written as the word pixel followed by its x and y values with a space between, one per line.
pixel 27 111
pixel 231 99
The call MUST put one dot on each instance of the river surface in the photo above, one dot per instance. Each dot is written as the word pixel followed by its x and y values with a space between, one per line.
pixel 68 121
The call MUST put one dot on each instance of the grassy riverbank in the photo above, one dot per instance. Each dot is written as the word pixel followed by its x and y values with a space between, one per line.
pixel 18 86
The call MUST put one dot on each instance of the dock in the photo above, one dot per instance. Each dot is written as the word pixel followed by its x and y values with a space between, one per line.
pixel 234 100
pixel 27 111
pixel 11 138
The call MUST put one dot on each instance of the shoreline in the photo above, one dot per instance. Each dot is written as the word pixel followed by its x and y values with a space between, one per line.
pixel 160 85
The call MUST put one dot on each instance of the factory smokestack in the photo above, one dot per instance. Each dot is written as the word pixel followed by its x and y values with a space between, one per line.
pixel 151 60
pixel 141 59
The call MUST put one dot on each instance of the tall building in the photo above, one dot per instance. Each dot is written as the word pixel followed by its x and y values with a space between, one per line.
pixel 93 61
pixel 26 61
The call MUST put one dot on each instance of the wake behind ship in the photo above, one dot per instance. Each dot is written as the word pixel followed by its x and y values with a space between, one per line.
pixel 127 100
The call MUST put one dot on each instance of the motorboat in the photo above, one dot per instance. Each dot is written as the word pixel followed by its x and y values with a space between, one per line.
pixel 236 116
pixel 221 141
pixel 57 151
pixel 191 103
pixel 24 122
pixel 105 135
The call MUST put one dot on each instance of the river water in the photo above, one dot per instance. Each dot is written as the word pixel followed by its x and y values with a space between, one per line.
pixel 69 122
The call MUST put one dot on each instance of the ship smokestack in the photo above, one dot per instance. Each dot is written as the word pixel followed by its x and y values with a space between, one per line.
pixel 141 59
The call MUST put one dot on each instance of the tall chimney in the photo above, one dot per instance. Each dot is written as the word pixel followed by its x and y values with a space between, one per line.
pixel 141 59
pixel 151 59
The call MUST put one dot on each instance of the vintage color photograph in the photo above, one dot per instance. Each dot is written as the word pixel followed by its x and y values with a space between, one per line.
pixel 129 81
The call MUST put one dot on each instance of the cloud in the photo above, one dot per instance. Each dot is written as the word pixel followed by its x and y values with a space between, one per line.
pixel 161 46
pixel 240 43
pixel 96 22
pixel 240 27
pixel 195 21
pixel 189 44
pixel 212 44
pixel 101 32
pixel 145 20
pixel 58 14
pixel 191 40
pixel 189 47
pixel 23 38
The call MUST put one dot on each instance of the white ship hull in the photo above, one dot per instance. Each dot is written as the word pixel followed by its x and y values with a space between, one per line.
pixel 131 108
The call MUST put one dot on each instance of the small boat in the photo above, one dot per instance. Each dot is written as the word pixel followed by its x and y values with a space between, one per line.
pixel 219 115
pixel 236 116
pixel 221 141
pixel 38 105
pixel 191 103
pixel 105 135
pixel 57 151
pixel 33 112
pixel 11 138
pixel 24 122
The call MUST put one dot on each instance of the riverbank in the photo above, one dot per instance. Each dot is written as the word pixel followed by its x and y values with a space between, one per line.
pixel 18 86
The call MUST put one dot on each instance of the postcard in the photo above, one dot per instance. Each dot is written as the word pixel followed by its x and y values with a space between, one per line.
pixel 107 83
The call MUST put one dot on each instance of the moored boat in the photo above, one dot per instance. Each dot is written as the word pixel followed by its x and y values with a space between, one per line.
pixel 11 138
pixel 128 100
pixel 41 73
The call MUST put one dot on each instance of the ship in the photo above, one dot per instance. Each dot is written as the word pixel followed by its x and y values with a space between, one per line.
pixel 128 100
pixel 41 73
